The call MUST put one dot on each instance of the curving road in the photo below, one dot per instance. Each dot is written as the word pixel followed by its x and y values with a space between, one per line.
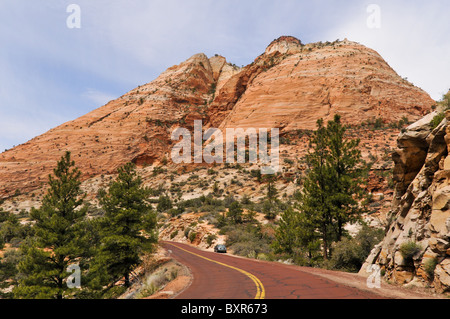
pixel 222 276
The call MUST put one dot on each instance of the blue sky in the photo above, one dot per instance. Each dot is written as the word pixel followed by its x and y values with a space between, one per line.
pixel 50 74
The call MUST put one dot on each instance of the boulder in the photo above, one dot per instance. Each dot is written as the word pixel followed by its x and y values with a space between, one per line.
pixel 442 276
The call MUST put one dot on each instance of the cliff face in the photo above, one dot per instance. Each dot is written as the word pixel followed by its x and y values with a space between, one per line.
pixel 289 86
pixel 133 128
pixel 420 216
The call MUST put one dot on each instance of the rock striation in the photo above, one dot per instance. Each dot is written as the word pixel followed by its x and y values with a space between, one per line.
pixel 289 86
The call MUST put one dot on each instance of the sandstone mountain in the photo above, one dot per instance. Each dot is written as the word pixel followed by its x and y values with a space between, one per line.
pixel 289 86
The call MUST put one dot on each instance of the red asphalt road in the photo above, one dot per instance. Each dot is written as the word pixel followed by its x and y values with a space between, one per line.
pixel 279 281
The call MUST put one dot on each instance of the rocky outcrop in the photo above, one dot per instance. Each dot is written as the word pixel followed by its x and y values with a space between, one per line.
pixel 416 248
pixel 133 128
pixel 189 228
pixel 290 86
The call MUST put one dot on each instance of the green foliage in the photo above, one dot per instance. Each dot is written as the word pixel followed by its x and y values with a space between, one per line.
pixel 445 101
pixel 128 228
pixel 235 213
pixel 210 239
pixel 296 237
pixel 247 240
pixel 287 236
pixel 437 120
pixel 192 236
pixel 444 104
pixel 272 192
pixel 378 123
pixel 164 203
pixel 429 266
pixel 350 253
pixel 8 272
pixel 187 231
pixel 202 203
pixel 212 89
pixel 58 237
pixel 173 234
pixel 11 231
pixel 333 183
pixel 270 210
pixel 245 200
pixel 257 174
pixel 409 249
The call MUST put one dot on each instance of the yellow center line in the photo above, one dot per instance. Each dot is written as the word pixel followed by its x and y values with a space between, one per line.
pixel 260 291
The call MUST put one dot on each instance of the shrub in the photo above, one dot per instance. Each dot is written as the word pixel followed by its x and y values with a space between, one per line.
pixel 246 240
pixel 192 236
pixel 437 120
pixel 173 212
pixel 246 249
pixel 210 239
pixel 409 249
pixel 245 200
pixel 378 123
pixel 350 253
pixel 429 266
pixel 164 203
pixel 235 213
pixel 186 232
pixel 347 256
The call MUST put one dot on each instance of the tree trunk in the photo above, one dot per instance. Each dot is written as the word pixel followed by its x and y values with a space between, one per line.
pixel 325 243
pixel 127 279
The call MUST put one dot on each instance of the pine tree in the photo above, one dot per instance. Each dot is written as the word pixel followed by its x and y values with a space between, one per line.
pixel 296 236
pixel 348 167
pixel 270 205
pixel 164 203
pixel 8 273
pixel 128 229
pixel 315 201
pixel 333 183
pixel 56 243
pixel 287 234
pixel 235 213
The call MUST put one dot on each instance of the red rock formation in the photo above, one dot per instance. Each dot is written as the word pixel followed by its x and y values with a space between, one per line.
pixel 289 86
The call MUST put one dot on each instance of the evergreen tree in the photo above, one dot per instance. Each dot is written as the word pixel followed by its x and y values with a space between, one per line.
pixel 315 202
pixel 333 183
pixel 270 205
pixel 10 228
pixel 272 192
pixel 235 212
pixel 296 236
pixel 287 234
pixel 164 203
pixel 8 273
pixel 348 168
pixel 128 229
pixel 56 243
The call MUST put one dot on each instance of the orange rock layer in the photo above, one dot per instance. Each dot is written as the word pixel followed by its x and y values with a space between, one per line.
pixel 289 86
